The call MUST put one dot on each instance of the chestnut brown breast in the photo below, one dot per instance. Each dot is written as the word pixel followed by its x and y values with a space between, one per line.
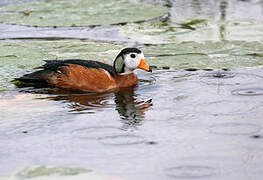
pixel 126 80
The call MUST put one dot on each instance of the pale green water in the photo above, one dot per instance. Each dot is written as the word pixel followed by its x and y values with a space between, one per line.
pixel 189 119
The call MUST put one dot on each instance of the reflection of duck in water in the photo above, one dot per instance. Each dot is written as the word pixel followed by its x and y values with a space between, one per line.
pixel 91 76
pixel 82 102
pixel 130 109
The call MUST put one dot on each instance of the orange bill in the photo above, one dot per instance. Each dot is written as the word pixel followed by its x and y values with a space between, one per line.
pixel 143 65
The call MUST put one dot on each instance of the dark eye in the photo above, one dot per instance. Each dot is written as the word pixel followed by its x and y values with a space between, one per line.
pixel 133 55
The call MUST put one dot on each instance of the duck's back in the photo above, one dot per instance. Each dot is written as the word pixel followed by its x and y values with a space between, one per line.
pixel 55 65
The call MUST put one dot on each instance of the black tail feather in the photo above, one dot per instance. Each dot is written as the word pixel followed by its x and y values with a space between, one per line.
pixel 36 78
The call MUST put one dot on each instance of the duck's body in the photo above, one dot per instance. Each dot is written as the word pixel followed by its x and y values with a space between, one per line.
pixel 86 75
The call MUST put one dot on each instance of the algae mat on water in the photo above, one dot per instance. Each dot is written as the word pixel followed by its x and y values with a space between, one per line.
pixel 41 172
pixel 209 54
pixel 198 30
pixel 79 12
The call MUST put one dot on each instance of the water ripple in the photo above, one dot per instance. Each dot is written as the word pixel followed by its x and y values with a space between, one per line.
pixel 95 132
pixel 248 92
pixel 234 129
pixel 230 78
pixel 122 139
pixel 191 171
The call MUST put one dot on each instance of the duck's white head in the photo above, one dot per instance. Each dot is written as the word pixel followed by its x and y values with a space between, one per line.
pixel 128 60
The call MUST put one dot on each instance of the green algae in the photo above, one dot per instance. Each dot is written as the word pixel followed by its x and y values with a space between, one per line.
pixel 214 55
pixel 79 12
pixel 40 171
pixel 197 30
pixel 191 23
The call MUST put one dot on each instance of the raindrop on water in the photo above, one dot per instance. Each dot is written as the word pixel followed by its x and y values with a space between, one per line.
pixel 191 171
pixel 122 139
pixel 220 74
pixel 257 136
pixel 248 92
pixel 234 129
pixel 230 78
pixel 95 132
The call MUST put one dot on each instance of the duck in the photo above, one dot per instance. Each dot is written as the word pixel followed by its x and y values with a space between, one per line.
pixel 88 75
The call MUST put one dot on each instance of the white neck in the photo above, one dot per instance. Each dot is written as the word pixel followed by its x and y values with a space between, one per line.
pixel 127 71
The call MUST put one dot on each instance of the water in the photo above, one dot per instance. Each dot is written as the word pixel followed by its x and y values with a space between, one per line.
pixel 187 121
pixel 189 129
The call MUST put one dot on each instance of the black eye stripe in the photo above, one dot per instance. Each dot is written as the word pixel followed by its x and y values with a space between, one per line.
pixel 133 55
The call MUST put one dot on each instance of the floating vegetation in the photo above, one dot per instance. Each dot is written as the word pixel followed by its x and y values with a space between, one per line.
pixel 79 13
pixel 207 55
pixel 198 30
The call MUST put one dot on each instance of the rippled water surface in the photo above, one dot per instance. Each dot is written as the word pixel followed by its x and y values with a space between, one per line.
pixel 198 115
